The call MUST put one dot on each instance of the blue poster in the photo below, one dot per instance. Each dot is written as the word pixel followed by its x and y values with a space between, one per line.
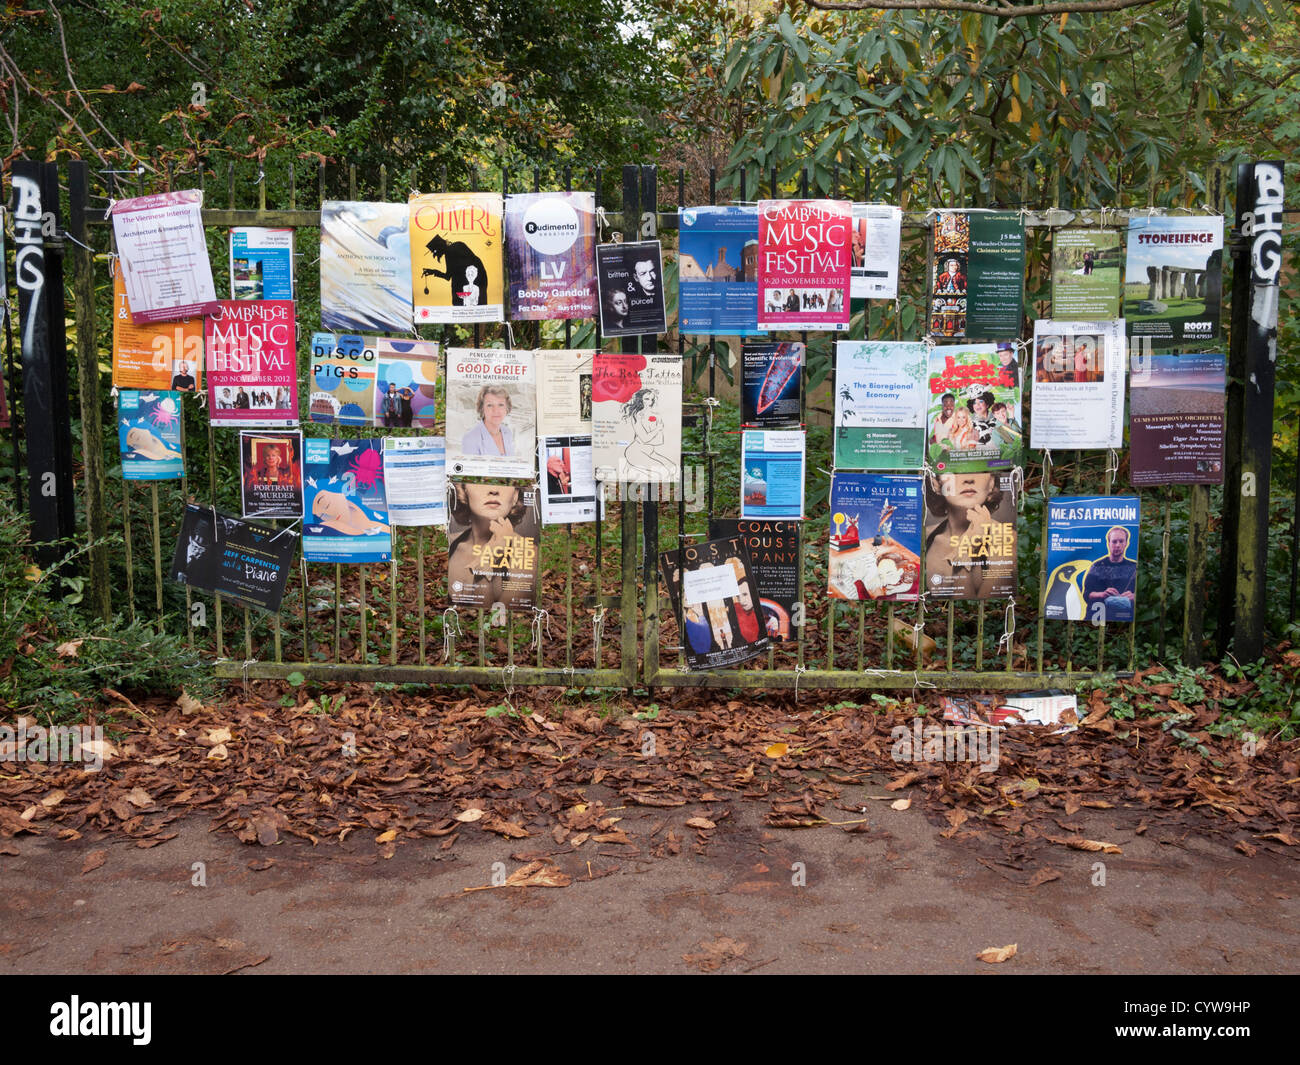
pixel 875 547
pixel 717 276
pixel 149 435
pixel 261 263
pixel 772 473
pixel 345 502
pixel 1092 550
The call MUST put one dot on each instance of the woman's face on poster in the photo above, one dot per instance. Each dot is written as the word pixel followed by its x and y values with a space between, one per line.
pixel 495 410
pixel 491 501
pixel 967 489
pixel 618 302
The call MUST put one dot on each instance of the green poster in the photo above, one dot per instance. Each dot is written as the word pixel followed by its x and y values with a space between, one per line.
pixel 978 274
pixel 1085 274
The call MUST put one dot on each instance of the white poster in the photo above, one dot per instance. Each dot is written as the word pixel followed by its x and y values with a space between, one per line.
pixel 880 400
pixel 415 478
pixel 1078 385
pixel 564 393
pixel 877 230
pixel 491 412
pixel 636 418
pixel 568 481
pixel 164 257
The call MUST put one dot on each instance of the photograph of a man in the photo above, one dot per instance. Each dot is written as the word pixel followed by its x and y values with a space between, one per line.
pixel 1112 581
pixel 644 271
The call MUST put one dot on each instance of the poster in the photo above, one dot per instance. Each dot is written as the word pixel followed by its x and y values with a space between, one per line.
pixel 1092 544
pixel 717 271
pixel 345 506
pixel 974 413
pixel 1173 277
pixel 165 355
pixel 804 263
pixel 875 545
pixel 636 421
pixel 415 480
pixel 406 385
pixel 342 373
pixel 1085 274
pixel 630 282
pixel 712 589
pixel 1176 419
pixel 564 392
pixel 550 251
pixel 772 473
pixel 163 256
pixel 244 563
pixel 365 267
pixel 880 405
pixel 492 554
pixel 271 469
pixel 261 263
pixel 970 536
pixel 774 558
pixel 1079 370
pixel 149 435
pixel 877 237
pixel 771 385
pixel 491 412
pixel 978 274
pixel 456 262
pixel 568 482
pixel 252 364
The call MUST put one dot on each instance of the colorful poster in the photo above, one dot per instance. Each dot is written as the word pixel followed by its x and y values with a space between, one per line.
pixel 345 505
pixel 568 481
pixel 550 250
pixel 772 473
pixel 165 355
pixel 149 435
pixel 252 364
pixel 491 412
pixel 261 263
pixel 1078 385
pixel 978 276
pixel 271 466
pixel 1092 550
pixel 492 553
pixel 406 388
pixel 1176 419
pixel 342 374
pixel 717 270
pixel 563 393
pixel 875 545
pixel 630 281
pixel 365 267
pixel 456 263
pixel 771 385
pixel 163 256
pixel 970 536
pixel 713 590
pixel 1173 277
pixel 774 558
pixel 1085 274
pixel 974 414
pixel 245 564
pixel 877 237
pixel 805 253
pixel 415 480
pixel 636 418
pixel 880 405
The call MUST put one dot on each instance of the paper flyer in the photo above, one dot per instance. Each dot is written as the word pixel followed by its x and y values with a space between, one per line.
pixel 974 413
pixel 717 271
pixel 978 274
pixel 774 557
pixel 415 480
pixel 877 238
pixel 1079 370
pixel 550 250
pixel 875 544
pixel 771 384
pixel 149 435
pixel 805 252
pixel 564 392
pixel 636 421
pixel 345 505
pixel 244 563
pixel 163 256
pixel 492 536
pixel 491 412
pixel 456 261
pixel 970 536
pixel 1085 274
pixel 159 355
pixel 261 263
pixel 772 473
pixel 1092 550
pixel 271 474
pixel 342 372
pixel 252 364
pixel 1177 419
pixel 1173 277
pixel 406 385
pixel 629 279
pixel 712 588
pixel 365 267
pixel 568 483
pixel 880 405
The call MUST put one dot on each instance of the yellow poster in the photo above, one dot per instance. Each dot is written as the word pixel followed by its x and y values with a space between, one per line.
pixel 164 355
pixel 456 260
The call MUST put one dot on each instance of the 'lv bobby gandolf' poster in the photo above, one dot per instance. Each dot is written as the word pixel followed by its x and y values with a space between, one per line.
pixel 1173 278
pixel 880 401
pixel 346 509
pixel 804 263
pixel 978 274
pixel 631 283
pixel 456 260
pixel 1092 558
pixel 491 405
pixel 637 418
pixel 550 237
pixel 365 267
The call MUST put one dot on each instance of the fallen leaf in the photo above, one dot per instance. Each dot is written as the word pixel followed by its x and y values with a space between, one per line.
pixel 386 837
pixel 714 955
pixel 218 753
pixel 777 750
pixel 93 861
pixel 1078 843
pixel 69 648
pixel 900 804
pixel 139 797
pixel 468 817
pixel 1043 876
pixel 994 955
pixel 188 704
pixel 54 798
pixel 97 749
pixel 701 823
pixel 218 736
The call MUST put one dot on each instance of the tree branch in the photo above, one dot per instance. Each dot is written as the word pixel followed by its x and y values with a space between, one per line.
pixel 67 62
pixel 996 8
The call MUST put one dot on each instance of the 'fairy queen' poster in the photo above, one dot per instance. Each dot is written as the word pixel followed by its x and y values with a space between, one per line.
pixel 805 256
pixel 637 418
pixel 456 260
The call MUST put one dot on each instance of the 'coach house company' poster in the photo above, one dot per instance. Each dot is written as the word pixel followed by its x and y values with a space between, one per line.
pixel 880 404
pixel 1079 370
pixel 491 408
pixel 244 563
pixel 1173 277
pixel 977 274
pixel 365 267
pixel 1092 546
pixel 252 364
pixel 637 418
pixel 804 264
pixel 717 271
pixel 631 285
pixel 974 418
pixel 550 249
pixel 774 558
pixel 712 588
pixel 1176 419
pixel 456 257
pixel 345 505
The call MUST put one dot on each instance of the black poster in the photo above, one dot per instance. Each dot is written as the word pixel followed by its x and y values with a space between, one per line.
pixel 774 554
pixel 247 563
pixel 723 619
pixel 630 278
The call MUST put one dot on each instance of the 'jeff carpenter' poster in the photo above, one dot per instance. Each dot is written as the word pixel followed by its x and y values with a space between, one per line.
pixel 804 264
pixel 1176 419
pixel 271 464
pixel 406 388
pixel 880 401
pixel 1173 278
pixel 491 404
pixel 1078 385
pixel 876 238
pixel 970 536
pixel 346 508
pixel 1092 544
pixel 149 435
pixel 978 274
pixel 163 256
pixel 563 393
pixel 550 237
pixel 875 545
pixel 719 602
pixel 342 374
pixel 492 538
pixel 456 260
pixel 1085 274
pixel 974 415
pixel 771 390
pixel 774 557
pixel 630 278
pixel 717 271
pixel 365 267
pixel 244 563
pixel 637 418
pixel 165 355
pixel 252 364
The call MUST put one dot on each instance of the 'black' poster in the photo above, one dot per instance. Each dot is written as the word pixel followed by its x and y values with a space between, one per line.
pixel 631 284
pixel 246 563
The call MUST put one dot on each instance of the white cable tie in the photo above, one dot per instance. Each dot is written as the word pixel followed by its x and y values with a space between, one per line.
pixel 450 629
pixel 1046 479
pixel 541 621
pixel 288 528
pixel 510 334
pixel 597 628
pixel 68 236
pixel 1009 626
pixel 508 679
pixel 799 671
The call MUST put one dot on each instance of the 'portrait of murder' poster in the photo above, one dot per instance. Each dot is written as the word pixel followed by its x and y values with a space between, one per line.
pixel 342 374
pixel 1079 370
pixel 1092 546
pixel 563 392
pixel 880 404
pixel 1173 277
pixel 149 435
pixel 875 545
pixel 877 232
pixel 774 558
pixel 157 355
pixel 365 267
pixel 456 257
pixel 271 465
pixel 974 415
pixel 713 590
pixel 970 536
pixel 244 563
pixel 630 281
pixel 345 505
pixel 1085 274
pixel 163 256
pixel 1176 419
pixel 717 271
pixel 261 263
pixel 977 274
pixel 406 388
pixel 491 413
pixel 804 262
pixel 252 364
pixel 492 538
pixel 550 252
pixel 771 385
pixel 636 418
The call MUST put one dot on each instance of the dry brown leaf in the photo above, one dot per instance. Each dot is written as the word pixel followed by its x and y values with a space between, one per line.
pixel 777 750
pixel 995 955
pixel 900 804
pixel 188 704
pixel 714 955
pixel 218 736
pixel 903 781
pixel 54 798
pixel 386 837
pixel 69 648
pixel 218 753
pixel 1043 876
pixel 98 749
pixel 701 823
pixel 93 861
pixel 139 797
pixel 468 817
